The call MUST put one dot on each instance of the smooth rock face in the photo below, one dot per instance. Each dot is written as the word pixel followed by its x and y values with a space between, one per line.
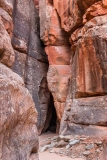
pixel 31 61
pixel 18 116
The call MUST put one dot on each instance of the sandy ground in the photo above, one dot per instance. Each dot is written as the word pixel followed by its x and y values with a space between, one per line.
pixel 51 156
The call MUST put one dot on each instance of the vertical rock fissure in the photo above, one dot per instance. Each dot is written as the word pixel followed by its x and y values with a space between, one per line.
pixel 51 118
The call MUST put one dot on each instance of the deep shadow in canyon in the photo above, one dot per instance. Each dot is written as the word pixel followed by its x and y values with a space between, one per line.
pixel 51 120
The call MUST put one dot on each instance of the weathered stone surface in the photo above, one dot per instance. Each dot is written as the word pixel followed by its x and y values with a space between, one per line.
pixel 85 116
pixel 79 129
pixel 71 12
pixel 85 4
pixel 88 111
pixel 51 31
pixel 60 106
pixel 89 61
pixel 7 5
pixel 26 31
pixel 58 55
pixel 18 132
pixel 96 9
pixel 34 75
pixel 36 82
pixel 7 21
pixel 85 106
pixel 58 83
pixel 19 65
pixel 68 11
pixel 6 51
pixel 31 60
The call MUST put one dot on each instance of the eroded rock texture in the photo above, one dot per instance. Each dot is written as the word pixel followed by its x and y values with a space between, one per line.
pixel 59 55
pixel 88 77
pixel 30 62
pixel 18 115
pixel 18 132
pixel 81 68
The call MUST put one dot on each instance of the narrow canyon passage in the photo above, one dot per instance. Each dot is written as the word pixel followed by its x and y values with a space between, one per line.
pixel 53 121
pixel 53 79
pixel 51 118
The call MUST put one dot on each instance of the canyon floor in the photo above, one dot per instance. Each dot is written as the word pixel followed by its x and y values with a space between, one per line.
pixel 51 156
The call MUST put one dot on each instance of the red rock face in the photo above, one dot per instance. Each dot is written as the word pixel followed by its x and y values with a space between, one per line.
pixel 82 86
pixel 59 55
pixel 104 3
pixel 68 11
pixel 95 10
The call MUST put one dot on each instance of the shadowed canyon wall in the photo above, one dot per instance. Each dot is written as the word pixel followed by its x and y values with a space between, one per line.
pixel 31 61
pixel 18 115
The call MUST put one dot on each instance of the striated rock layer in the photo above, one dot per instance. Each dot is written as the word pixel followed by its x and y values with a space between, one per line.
pixel 59 55
pixel 31 61
pixel 77 74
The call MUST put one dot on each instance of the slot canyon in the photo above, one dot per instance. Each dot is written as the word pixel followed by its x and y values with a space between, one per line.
pixel 53 82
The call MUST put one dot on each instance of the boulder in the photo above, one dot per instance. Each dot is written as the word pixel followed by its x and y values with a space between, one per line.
pixel 18 117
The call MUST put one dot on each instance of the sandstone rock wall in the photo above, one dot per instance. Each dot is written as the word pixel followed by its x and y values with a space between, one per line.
pixel 31 61
pixel 83 24
pixel 87 92
pixel 58 50
pixel 18 115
